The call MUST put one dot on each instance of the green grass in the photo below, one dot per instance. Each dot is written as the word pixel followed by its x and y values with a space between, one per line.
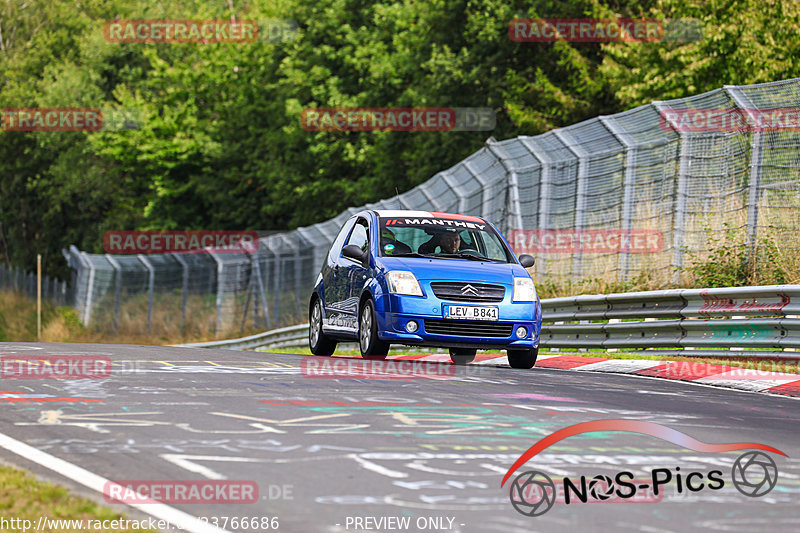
pixel 24 498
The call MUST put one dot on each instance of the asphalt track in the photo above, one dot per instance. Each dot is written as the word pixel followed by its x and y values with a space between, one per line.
pixel 326 451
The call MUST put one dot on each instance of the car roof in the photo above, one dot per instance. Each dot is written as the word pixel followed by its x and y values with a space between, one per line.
pixel 395 213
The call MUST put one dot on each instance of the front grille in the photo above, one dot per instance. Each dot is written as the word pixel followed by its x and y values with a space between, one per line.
pixel 468 292
pixel 467 328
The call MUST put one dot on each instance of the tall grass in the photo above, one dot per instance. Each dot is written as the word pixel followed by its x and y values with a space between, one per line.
pixel 62 324
pixel 715 253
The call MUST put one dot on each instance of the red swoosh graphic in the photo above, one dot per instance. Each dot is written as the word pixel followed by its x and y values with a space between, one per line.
pixel 633 426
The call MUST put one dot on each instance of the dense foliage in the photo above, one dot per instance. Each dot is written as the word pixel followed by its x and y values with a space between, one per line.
pixel 220 144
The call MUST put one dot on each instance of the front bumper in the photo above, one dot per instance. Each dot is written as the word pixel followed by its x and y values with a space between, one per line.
pixel 401 309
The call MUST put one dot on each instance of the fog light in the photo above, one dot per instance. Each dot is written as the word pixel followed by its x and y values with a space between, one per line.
pixel 522 332
pixel 412 326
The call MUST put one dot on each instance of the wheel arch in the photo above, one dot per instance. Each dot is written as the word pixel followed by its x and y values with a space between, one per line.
pixel 311 301
pixel 365 295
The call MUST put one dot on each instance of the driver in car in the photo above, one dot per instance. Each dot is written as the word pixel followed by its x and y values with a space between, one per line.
pixel 449 241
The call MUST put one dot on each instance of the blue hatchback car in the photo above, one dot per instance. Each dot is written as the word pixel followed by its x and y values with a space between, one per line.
pixel 425 279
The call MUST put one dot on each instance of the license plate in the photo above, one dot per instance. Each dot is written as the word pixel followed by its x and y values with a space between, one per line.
pixel 470 312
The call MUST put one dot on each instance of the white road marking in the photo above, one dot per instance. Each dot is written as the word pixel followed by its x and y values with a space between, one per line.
pixel 184 462
pixel 382 470
pixel 620 365
pixel 100 484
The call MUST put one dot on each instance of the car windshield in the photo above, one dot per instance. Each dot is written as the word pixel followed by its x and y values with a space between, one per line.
pixel 469 238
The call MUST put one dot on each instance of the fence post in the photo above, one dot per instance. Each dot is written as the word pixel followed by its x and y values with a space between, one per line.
pixel 462 200
pixel 184 288
pixel 628 183
pixel 220 285
pixel 437 205
pixel 150 289
pixel 254 280
pixel 580 195
pixel 117 288
pixel 681 195
pixel 263 294
pixel 87 312
pixel 251 283
pixel 485 198
pixel 513 219
pixel 544 193
pixel 756 154
pixel 247 303
pixel 276 285
pixel 298 287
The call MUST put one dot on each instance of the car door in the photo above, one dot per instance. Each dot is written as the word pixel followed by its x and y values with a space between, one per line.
pixel 354 274
pixel 336 289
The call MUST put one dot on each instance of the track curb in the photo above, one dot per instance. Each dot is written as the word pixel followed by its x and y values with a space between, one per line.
pixel 731 377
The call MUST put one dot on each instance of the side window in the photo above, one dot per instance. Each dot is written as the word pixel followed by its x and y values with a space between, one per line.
pixel 494 250
pixel 338 242
pixel 360 235
pixel 467 241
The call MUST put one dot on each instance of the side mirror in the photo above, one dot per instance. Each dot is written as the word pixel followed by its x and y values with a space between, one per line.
pixel 351 251
pixel 526 260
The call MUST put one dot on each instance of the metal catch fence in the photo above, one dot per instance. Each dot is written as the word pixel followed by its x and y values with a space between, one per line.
pixel 612 198
pixel 17 280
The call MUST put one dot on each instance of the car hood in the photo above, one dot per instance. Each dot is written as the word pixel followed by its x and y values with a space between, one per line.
pixel 456 269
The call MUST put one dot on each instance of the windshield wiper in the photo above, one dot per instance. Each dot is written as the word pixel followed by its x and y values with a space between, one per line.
pixel 447 256
pixel 410 254
pixel 466 256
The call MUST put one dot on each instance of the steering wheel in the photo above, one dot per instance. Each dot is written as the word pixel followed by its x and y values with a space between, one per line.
pixel 470 251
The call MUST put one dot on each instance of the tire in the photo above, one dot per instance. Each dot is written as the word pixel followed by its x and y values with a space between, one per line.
pixel 522 358
pixel 462 356
pixel 371 346
pixel 318 342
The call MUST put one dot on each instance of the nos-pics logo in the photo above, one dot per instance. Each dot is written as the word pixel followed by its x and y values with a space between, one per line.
pixel 533 492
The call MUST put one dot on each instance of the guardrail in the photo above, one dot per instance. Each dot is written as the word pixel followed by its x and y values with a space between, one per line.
pixel 276 338
pixel 676 321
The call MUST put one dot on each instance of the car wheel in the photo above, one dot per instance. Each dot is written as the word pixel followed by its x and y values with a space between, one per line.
pixel 523 358
pixel 371 346
pixel 462 356
pixel 318 342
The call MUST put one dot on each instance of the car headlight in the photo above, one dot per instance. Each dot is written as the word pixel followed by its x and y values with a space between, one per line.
pixel 524 290
pixel 403 282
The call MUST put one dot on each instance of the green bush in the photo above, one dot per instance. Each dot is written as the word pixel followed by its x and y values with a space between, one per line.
pixel 729 263
pixel 71 319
